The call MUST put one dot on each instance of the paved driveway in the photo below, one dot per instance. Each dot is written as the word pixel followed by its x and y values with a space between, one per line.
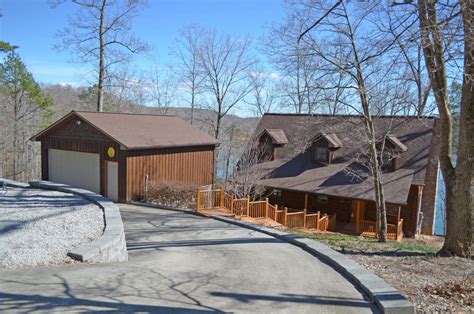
pixel 184 263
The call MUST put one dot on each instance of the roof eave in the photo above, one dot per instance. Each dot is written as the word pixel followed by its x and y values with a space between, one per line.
pixel 170 146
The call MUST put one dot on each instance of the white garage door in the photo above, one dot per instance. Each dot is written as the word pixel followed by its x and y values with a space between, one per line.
pixel 80 170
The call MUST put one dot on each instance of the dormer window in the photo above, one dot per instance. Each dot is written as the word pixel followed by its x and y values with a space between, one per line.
pixel 393 149
pixel 321 154
pixel 324 146
pixel 270 142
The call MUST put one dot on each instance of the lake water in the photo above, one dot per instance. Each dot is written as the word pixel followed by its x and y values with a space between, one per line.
pixel 440 207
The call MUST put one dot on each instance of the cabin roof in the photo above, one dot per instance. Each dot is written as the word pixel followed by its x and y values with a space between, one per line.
pixel 277 135
pixel 396 142
pixel 331 138
pixel 296 170
pixel 138 131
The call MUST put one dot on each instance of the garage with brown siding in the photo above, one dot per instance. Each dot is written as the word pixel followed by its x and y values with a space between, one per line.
pixel 117 154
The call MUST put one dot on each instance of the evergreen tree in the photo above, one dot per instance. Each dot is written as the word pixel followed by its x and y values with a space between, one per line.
pixel 25 109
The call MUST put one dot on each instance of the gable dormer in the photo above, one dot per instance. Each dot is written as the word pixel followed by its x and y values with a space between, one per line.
pixel 270 142
pixel 392 152
pixel 323 147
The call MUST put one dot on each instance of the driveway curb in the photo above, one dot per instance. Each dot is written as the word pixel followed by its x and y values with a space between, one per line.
pixel 386 298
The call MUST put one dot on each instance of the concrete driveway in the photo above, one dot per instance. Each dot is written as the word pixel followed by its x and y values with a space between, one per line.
pixel 184 263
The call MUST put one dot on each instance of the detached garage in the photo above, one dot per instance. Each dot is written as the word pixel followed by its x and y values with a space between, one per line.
pixel 116 154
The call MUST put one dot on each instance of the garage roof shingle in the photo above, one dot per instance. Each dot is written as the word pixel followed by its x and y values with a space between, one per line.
pixel 141 131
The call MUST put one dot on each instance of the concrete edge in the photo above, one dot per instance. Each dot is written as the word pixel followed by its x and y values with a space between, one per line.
pixel 111 245
pixel 159 206
pixel 385 297
pixel 14 184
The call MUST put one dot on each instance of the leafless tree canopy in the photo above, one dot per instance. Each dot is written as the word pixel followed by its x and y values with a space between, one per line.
pixel 100 34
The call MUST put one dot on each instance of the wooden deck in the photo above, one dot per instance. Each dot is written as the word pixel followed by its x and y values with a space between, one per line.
pixel 218 202
pixel 216 211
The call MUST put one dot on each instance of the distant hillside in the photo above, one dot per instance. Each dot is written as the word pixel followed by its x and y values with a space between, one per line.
pixel 235 130
pixel 67 98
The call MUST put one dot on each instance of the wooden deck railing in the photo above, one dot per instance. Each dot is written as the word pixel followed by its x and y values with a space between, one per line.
pixel 323 222
pixel 368 229
pixel 209 199
pixel 400 231
pixel 258 209
pixel 241 206
pixel 295 219
pixel 281 214
pixel 272 211
pixel 312 221
pixel 219 199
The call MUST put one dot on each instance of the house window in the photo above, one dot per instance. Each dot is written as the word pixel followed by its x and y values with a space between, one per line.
pixel 323 199
pixel 321 154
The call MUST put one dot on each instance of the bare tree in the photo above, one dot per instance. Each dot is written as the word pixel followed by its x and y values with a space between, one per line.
pixel 407 55
pixel 161 89
pixel 340 38
pixel 263 95
pixel 435 20
pixel 250 174
pixel 187 51
pixel 100 34
pixel 226 63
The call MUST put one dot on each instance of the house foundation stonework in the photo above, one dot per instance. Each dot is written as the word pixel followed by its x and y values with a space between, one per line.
pixel 321 166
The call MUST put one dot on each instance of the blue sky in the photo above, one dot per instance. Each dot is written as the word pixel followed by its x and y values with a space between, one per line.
pixel 32 24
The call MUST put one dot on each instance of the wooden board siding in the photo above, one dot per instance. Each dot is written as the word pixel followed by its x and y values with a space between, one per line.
pixel 334 205
pixel 189 165
pixel 69 129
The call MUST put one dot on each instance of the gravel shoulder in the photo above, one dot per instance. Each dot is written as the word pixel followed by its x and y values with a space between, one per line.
pixel 38 227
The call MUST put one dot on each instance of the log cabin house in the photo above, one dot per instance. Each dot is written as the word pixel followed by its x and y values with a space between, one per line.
pixel 319 163
pixel 119 154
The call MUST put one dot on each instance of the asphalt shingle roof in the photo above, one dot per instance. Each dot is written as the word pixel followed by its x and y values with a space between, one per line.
pixel 296 170
pixel 142 131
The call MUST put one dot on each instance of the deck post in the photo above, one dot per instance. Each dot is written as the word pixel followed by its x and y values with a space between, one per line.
pixel 304 218
pixel 232 203
pixel 266 207
pixel 317 222
pixel 276 213
pixel 357 218
pixel 305 200
pixel 248 206
pixel 286 215
pixel 222 200
pixel 197 200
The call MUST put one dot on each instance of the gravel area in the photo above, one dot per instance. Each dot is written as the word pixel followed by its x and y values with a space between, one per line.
pixel 38 227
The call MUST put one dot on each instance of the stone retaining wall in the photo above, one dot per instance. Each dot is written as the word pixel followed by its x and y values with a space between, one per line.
pixel 111 245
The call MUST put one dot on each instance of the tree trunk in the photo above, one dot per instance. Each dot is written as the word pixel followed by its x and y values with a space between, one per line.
pixel 100 86
pixel 460 187
pixel 381 214
pixel 459 178
pixel 192 104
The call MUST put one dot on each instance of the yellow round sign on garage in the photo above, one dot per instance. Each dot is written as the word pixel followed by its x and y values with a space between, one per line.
pixel 111 152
